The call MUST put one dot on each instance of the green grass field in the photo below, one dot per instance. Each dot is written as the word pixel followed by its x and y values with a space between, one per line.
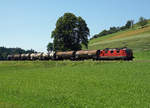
pixel 66 84
pixel 82 84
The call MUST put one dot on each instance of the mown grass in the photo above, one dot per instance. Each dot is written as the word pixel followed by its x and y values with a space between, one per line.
pixel 66 84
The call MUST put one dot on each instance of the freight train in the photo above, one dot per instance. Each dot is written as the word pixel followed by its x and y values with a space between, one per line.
pixel 105 54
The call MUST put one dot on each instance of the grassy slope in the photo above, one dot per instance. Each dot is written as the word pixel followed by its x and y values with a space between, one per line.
pixel 137 39
pixel 75 84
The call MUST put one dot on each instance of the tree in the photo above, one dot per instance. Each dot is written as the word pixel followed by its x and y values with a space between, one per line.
pixel 123 28
pixel 30 51
pixel 103 33
pixel 113 30
pixel 50 47
pixel 129 24
pixel 142 21
pixel 70 33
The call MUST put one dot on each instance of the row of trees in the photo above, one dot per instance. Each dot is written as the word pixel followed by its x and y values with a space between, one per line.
pixel 4 52
pixel 129 24
pixel 114 29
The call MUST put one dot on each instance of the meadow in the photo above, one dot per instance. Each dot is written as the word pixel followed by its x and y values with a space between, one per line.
pixel 82 84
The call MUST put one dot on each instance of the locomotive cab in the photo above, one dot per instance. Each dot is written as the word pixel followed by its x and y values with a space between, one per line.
pixel 129 54
pixel 116 54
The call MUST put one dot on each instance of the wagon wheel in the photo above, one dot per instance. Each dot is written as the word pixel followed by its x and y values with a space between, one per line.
pixel 76 57
pixel 57 57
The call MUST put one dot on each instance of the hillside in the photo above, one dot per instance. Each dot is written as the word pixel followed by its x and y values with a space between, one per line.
pixel 137 38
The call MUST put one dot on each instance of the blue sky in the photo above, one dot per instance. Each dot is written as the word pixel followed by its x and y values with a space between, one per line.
pixel 29 23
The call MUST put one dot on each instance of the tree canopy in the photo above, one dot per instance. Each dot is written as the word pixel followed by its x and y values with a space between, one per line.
pixel 70 33
pixel 50 47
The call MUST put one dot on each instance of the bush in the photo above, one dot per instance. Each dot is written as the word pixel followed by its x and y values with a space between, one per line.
pixel 142 21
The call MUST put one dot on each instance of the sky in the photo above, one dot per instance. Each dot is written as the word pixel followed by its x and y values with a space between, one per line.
pixel 28 24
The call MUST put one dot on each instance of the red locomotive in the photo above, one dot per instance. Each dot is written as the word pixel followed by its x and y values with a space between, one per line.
pixel 115 54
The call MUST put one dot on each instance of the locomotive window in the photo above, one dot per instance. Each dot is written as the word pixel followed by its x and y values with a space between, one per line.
pixel 111 51
pixel 118 51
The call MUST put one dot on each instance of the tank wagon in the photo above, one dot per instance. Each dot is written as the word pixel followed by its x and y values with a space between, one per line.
pixel 64 55
pixel 27 56
pixel 45 56
pixel 23 57
pixel 104 54
pixel 88 54
pixel 17 57
pixel 9 57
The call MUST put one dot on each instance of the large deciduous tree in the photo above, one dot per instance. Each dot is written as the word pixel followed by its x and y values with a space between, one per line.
pixel 70 33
